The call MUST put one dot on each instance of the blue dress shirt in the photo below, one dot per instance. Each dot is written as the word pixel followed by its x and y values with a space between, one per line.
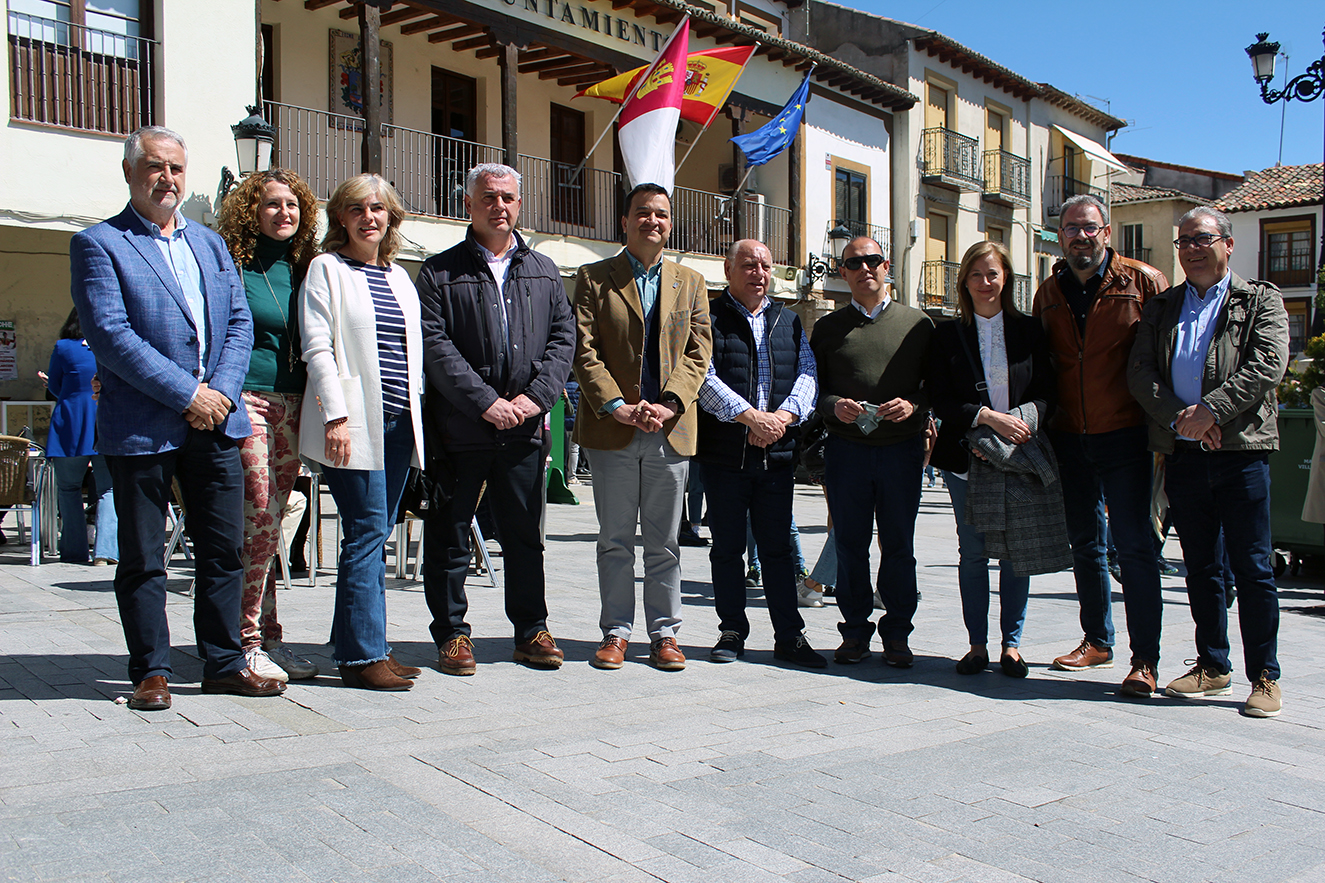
pixel 1195 330
pixel 179 257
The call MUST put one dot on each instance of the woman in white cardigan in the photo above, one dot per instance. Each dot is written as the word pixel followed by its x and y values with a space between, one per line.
pixel 361 412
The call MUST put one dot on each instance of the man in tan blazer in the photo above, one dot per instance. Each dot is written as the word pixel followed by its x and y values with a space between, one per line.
pixel 641 352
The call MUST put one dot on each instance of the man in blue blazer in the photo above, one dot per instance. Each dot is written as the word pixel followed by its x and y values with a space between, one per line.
pixel 166 316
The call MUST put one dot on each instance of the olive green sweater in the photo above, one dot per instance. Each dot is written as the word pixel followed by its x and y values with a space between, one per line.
pixel 272 298
pixel 873 361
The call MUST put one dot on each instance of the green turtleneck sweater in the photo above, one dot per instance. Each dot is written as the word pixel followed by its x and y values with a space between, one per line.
pixel 274 303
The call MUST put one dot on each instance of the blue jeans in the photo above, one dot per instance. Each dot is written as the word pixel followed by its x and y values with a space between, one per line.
pixel 868 485
pixel 69 473
pixel 825 569
pixel 366 500
pixel 1114 468
pixel 973 578
pixel 1210 491
pixel 763 496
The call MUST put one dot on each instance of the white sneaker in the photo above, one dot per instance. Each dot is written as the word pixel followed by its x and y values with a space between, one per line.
pixel 262 666
pixel 806 596
pixel 297 667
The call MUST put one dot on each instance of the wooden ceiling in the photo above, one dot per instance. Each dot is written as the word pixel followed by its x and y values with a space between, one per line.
pixel 568 68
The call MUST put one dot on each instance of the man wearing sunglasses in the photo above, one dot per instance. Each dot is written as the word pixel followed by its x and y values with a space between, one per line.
pixel 1207 358
pixel 871 356
pixel 1090 307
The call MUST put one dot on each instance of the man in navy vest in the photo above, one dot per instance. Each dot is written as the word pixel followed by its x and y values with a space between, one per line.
pixel 760 383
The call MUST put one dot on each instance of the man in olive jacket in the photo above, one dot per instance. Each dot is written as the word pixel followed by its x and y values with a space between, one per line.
pixel 1207 358
pixel 642 349
pixel 498 336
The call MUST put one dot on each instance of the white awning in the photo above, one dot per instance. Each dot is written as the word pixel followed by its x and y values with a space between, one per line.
pixel 1094 150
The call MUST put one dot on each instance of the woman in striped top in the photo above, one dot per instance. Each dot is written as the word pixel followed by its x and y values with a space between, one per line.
pixel 361 411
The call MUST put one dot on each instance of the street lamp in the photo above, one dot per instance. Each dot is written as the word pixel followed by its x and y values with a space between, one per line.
pixel 839 236
pixel 1304 87
pixel 254 138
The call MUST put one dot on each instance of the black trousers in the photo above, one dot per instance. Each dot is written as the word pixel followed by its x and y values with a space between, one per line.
pixel 212 486
pixel 514 475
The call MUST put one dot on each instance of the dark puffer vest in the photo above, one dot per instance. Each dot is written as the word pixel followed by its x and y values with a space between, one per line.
pixel 724 444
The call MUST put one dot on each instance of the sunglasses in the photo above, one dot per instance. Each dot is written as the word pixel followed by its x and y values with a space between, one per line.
pixel 855 263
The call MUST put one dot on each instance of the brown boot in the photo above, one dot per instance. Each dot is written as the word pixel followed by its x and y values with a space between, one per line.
pixel 402 671
pixel 373 676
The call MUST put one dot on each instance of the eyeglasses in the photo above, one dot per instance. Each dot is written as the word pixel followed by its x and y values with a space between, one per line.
pixel 1091 230
pixel 1200 240
pixel 856 262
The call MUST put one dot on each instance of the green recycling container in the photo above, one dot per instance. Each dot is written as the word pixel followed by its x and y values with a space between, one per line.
pixel 1290 474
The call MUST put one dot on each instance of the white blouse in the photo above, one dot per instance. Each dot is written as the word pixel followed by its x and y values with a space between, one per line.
pixel 994 359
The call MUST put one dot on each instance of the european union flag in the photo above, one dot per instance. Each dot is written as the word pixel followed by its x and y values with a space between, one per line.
pixel 773 137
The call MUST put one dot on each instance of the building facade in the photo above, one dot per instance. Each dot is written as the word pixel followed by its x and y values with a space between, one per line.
pixel 462 82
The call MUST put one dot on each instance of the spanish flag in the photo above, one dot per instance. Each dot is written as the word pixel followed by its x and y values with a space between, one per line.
pixel 711 74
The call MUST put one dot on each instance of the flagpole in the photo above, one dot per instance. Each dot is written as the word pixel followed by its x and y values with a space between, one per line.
pixel 715 113
pixel 645 76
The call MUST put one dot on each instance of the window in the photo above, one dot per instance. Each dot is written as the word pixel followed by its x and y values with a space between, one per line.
pixel 850 195
pixel 1297 328
pixel 996 234
pixel 1286 251
pixel 81 64
pixel 454 98
pixel 1133 246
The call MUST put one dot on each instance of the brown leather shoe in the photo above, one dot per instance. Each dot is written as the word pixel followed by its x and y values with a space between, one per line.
pixel 1087 655
pixel 542 650
pixel 1141 681
pixel 402 671
pixel 611 653
pixel 244 683
pixel 897 653
pixel 373 676
pixel 151 694
pixel 851 651
pixel 457 656
pixel 664 655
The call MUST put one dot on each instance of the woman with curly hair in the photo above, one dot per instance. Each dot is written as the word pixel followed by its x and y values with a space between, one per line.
pixel 361 417
pixel 269 222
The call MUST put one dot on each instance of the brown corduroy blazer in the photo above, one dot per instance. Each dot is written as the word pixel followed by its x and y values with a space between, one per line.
pixel 609 349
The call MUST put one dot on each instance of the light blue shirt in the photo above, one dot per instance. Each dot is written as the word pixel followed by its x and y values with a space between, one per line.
pixel 1196 328
pixel 647 282
pixel 723 402
pixel 179 257
pixel 874 313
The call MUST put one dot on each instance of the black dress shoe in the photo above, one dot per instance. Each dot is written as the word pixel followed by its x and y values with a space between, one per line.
pixel 972 663
pixel 1014 668
pixel 150 694
pixel 244 683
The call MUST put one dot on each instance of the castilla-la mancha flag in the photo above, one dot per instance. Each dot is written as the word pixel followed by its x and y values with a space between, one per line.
pixel 647 125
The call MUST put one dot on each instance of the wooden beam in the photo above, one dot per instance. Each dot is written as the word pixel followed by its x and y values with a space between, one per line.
pixel 579 67
pixel 370 49
pixel 528 56
pixel 547 63
pixel 587 79
pixel 493 51
pixel 509 60
pixel 403 14
pixel 417 27
pixel 472 43
pixel 454 33
pixel 319 4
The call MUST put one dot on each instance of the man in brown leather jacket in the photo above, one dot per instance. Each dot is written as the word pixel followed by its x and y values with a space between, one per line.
pixel 1090 308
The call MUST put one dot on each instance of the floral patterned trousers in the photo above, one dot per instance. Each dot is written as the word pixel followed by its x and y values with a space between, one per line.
pixel 271 464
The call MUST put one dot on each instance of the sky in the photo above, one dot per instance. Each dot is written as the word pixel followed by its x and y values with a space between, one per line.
pixel 1177 72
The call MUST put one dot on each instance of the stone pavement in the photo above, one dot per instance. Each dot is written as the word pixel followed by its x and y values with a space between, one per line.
pixel 745 772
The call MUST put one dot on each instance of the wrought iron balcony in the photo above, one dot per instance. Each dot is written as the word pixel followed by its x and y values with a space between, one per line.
pixel 1023 294
pixel 1058 189
pixel 1007 178
pixel 950 160
pixel 938 286
pixel 1136 254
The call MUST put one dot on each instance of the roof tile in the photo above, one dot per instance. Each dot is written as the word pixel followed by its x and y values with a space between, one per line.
pixel 1277 187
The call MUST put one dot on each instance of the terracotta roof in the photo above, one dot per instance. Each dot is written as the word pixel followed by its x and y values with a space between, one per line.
pixel 1277 187
pixel 1128 193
